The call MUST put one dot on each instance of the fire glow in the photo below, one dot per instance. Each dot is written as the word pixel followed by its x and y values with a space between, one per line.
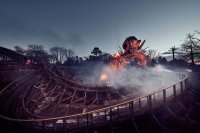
pixel 132 50
pixel 104 77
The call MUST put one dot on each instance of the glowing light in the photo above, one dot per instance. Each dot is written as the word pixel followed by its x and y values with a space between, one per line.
pixel 104 77
pixel 116 54
pixel 28 62
pixel 189 70
pixel 132 50
pixel 197 62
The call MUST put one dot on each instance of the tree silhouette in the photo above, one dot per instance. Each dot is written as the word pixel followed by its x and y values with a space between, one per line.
pixel 37 53
pixel 153 54
pixel 191 45
pixel 60 54
pixel 96 51
pixel 19 49
pixel 54 52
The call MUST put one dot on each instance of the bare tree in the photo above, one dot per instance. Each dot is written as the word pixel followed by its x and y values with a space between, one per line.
pixel 54 52
pixel 153 54
pixel 60 54
pixel 70 53
pixel 37 52
pixel 191 45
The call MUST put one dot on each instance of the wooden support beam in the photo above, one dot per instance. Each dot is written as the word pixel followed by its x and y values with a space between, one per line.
pixel 78 121
pixel 65 124
pixel 87 121
pixel 110 115
pixel 164 95
pixel 105 115
pixel 174 91
pixel 150 101
pixel 132 109
pixel 140 103
pixel 71 101
pixel 171 112
pixel 182 106
pixel 181 83
pixel 43 126
pixel 97 98
pixel 54 124
pixel 118 115
pixel 91 118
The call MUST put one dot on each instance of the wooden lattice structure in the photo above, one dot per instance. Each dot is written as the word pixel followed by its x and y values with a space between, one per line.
pixel 46 100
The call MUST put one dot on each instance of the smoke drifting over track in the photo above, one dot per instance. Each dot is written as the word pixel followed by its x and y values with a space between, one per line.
pixel 138 81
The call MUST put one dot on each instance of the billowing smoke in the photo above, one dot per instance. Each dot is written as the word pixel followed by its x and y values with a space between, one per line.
pixel 136 80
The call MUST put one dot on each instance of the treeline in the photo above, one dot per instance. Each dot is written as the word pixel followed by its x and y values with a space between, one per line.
pixel 189 51
pixel 54 55
pixel 60 55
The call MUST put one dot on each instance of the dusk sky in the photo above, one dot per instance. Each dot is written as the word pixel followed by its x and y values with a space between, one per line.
pixel 83 24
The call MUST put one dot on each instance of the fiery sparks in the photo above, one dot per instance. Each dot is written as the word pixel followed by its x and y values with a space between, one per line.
pixel 132 50
pixel 117 54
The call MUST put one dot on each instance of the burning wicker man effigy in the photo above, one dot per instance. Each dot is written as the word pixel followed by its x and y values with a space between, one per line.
pixel 132 51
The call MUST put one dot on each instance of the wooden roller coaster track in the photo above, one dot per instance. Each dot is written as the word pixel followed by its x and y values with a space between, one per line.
pixel 47 100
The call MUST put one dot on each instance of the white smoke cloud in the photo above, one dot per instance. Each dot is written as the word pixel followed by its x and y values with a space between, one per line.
pixel 138 81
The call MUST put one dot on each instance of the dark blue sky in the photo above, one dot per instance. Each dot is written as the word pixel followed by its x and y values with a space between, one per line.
pixel 83 24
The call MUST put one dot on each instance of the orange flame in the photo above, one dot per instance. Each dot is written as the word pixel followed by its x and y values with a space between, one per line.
pixel 116 54
pixel 104 77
